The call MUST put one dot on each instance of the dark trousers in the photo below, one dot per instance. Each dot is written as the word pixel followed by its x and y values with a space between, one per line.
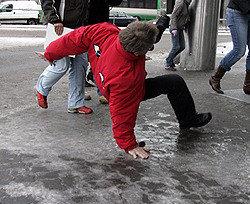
pixel 177 92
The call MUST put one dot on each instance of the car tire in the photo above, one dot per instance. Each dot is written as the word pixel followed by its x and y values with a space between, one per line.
pixel 32 22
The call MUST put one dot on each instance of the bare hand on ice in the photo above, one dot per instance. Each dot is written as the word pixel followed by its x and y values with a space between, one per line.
pixel 139 151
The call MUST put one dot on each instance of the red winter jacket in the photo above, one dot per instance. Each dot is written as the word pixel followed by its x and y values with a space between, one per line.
pixel 119 75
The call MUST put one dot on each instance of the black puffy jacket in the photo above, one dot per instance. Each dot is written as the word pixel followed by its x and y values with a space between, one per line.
pixel 76 13
pixel 99 10
pixel 241 5
pixel 71 13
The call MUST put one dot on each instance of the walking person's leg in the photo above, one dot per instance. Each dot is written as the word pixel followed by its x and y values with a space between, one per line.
pixel 173 53
pixel 181 41
pixel 246 86
pixel 102 99
pixel 48 78
pixel 77 72
pixel 238 24
pixel 180 98
pixel 248 45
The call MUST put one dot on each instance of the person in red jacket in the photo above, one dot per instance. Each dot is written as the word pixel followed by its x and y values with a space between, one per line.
pixel 117 58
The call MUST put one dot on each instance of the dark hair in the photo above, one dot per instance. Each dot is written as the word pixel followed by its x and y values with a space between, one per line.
pixel 138 36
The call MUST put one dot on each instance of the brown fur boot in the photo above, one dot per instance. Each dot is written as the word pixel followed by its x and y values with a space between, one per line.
pixel 214 80
pixel 246 87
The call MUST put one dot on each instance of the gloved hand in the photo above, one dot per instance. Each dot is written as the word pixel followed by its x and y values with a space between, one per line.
pixel 162 24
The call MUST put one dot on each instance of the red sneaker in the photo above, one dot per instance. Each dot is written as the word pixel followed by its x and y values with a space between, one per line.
pixel 41 100
pixel 83 109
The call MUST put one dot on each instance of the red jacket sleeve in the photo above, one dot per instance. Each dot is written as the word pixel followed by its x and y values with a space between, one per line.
pixel 124 104
pixel 73 43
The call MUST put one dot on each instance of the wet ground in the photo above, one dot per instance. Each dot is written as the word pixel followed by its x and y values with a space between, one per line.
pixel 53 157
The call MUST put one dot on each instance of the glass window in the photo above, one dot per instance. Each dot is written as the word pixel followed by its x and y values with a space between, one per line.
pixel 124 3
pixel 137 4
pixel 122 14
pixel 149 4
pixel 7 8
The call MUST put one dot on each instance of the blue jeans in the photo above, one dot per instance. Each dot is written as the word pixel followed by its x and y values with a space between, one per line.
pixel 178 45
pixel 239 25
pixel 77 69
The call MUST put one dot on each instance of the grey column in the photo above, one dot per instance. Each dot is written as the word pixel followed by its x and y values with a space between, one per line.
pixel 201 36
pixel 225 8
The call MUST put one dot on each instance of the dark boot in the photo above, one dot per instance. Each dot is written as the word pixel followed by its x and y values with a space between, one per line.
pixel 199 121
pixel 214 80
pixel 246 87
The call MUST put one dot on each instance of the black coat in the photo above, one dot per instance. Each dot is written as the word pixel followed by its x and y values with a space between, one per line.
pixel 73 15
pixel 241 5
pixel 99 10
pixel 77 13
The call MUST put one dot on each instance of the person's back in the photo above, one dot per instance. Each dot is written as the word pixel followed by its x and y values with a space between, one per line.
pixel 179 15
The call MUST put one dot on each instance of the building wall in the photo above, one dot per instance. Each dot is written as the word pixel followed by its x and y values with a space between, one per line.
pixel 224 4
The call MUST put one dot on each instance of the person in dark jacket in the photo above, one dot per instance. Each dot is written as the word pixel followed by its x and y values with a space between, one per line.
pixel 238 20
pixel 98 13
pixel 100 7
pixel 117 58
pixel 179 18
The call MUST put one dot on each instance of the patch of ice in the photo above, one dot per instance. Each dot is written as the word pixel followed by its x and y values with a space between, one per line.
pixel 37 191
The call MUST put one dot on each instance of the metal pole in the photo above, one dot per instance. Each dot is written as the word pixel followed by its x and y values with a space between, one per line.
pixel 201 36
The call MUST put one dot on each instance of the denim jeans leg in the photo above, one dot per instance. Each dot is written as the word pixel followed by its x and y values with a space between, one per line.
pixel 77 72
pixel 51 75
pixel 181 41
pixel 238 24
pixel 177 44
pixel 248 45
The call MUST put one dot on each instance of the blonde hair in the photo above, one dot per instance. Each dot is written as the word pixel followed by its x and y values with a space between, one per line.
pixel 139 36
